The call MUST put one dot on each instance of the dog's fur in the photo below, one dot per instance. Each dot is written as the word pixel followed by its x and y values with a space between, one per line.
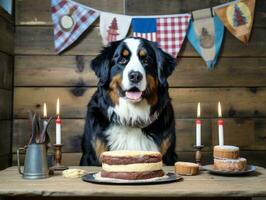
pixel 117 118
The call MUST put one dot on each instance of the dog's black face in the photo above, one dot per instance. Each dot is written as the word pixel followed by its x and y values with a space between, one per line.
pixel 133 69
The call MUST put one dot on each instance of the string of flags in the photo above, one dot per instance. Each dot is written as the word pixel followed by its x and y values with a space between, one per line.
pixel 204 28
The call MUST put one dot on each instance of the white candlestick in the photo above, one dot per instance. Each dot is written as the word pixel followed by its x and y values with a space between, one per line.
pixel 44 114
pixel 220 126
pixel 198 127
pixel 58 130
pixel 221 132
pixel 198 132
pixel 58 123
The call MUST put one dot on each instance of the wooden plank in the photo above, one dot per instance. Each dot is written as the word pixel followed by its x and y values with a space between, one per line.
pixel 248 134
pixel 5 161
pixel 5 135
pixel 127 198
pixel 161 7
pixel 6 71
pixel 236 102
pixel 26 99
pixel 48 70
pixel 5 104
pixel 38 12
pixel 31 13
pixel 6 36
pixel 253 157
pixel 39 41
pixel 204 185
pixel 190 72
pixel 72 131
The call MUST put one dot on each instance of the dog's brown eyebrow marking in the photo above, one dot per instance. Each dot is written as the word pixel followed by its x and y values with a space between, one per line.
pixel 125 52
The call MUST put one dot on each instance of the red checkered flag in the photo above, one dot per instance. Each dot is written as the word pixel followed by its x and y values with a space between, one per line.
pixel 70 20
pixel 171 32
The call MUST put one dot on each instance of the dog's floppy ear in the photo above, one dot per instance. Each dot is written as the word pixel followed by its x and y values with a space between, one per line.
pixel 102 63
pixel 165 64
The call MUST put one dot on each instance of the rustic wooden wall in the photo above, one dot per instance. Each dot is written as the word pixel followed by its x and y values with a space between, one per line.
pixel 6 86
pixel 238 81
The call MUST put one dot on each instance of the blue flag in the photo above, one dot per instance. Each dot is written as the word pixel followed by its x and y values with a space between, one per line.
pixel 205 34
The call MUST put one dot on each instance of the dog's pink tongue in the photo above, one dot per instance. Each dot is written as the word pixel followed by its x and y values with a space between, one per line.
pixel 133 95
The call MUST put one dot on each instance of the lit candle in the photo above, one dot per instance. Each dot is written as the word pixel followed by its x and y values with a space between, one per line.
pixel 220 125
pixel 58 123
pixel 198 127
pixel 44 114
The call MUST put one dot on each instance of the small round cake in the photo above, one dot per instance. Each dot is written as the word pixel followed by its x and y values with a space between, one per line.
pixel 226 152
pixel 131 165
pixel 230 164
pixel 186 168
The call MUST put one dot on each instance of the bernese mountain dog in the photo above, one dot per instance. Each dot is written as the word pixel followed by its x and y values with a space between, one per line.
pixel 131 108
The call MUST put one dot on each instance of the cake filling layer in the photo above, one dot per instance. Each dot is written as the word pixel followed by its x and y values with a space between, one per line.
pixel 137 167
pixel 110 160
pixel 132 175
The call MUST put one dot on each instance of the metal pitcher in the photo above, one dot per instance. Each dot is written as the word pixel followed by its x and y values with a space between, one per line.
pixel 35 164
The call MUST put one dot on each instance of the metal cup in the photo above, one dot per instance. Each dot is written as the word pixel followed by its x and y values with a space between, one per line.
pixel 35 164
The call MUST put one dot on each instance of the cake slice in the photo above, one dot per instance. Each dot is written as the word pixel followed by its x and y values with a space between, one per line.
pixel 131 165
pixel 186 168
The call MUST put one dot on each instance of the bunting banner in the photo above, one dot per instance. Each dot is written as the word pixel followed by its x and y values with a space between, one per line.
pixel 113 27
pixel 70 20
pixel 168 32
pixel 205 34
pixel 238 18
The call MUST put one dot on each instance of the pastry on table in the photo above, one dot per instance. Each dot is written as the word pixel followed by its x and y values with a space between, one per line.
pixel 73 173
pixel 131 165
pixel 186 168
pixel 226 158
pixel 230 164
pixel 226 152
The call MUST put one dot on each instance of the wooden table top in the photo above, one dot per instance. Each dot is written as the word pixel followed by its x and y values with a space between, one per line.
pixel 203 185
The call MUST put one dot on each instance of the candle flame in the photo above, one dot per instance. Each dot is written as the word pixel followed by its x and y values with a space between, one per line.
pixel 198 110
pixel 58 107
pixel 44 110
pixel 219 109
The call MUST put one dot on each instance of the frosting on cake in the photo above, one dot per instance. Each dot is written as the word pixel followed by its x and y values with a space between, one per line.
pixel 138 167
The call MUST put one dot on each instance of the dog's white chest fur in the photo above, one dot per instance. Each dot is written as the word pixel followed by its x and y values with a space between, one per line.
pixel 131 114
pixel 128 138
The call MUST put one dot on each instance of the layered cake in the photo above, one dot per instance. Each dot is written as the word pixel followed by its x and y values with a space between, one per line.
pixel 226 158
pixel 131 165
pixel 226 152
pixel 186 168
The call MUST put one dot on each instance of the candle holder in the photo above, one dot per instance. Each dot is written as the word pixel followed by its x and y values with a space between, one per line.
pixel 58 158
pixel 198 154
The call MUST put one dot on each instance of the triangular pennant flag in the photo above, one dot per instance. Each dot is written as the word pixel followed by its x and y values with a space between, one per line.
pixel 205 34
pixel 238 18
pixel 70 20
pixel 168 32
pixel 171 32
pixel 113 27
pixel 144 28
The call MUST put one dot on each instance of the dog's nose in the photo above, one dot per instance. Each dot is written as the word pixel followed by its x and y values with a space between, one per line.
pixel 135 77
